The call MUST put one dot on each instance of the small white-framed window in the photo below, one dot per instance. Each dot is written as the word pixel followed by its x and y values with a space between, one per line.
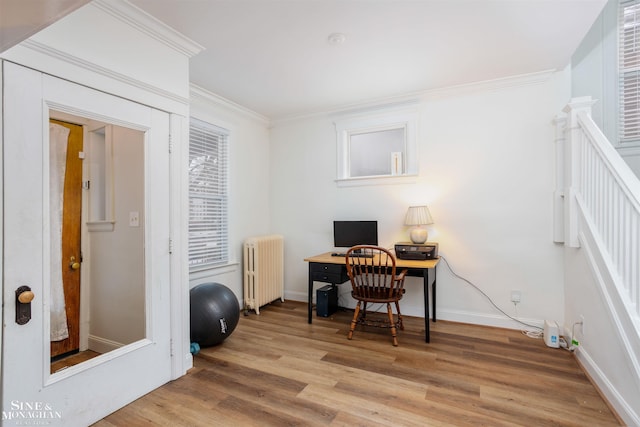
pixel 375 146
pixel 208 196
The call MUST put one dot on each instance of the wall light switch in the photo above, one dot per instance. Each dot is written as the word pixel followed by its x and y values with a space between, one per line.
pixel 134 219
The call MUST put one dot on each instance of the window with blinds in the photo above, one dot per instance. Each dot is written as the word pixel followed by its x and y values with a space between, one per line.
pixel 208 223
pixel 629 71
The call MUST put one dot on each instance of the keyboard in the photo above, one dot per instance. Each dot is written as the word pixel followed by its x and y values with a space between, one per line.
pixel 355 255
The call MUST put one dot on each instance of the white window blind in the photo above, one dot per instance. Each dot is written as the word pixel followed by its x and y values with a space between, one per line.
pixel 208 222
pixel 629 68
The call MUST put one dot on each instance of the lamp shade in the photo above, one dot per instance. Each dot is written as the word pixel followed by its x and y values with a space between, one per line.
pixel 418 215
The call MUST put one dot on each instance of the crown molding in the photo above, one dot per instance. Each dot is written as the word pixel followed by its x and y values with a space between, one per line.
pixel 142 21
pixel 197 92
pixel 490 85
pixel 410 103
pixel 420 96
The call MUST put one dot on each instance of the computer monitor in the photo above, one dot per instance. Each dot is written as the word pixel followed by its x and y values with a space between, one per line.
pixel 351 233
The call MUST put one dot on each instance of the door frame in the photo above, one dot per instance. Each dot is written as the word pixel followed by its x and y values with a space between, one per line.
pixel 1 218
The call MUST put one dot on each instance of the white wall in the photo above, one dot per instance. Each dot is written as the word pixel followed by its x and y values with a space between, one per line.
pixel 117 259
pixel 487 173
pixel 248 181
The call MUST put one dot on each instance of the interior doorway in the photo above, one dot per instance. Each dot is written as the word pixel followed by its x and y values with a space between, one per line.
pixel 65 163
pixel 97 263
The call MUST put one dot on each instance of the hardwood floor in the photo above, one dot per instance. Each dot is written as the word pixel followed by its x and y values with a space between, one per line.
pixel 277 370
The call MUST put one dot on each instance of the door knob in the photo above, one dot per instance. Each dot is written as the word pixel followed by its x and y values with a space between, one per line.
pixel 24 296
pixel 73 264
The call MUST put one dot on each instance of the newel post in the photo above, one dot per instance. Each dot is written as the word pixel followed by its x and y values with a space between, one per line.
pixel 572 166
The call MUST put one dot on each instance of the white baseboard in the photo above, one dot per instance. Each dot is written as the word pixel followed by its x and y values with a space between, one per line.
pixel 103 345
pixel 484 319
pixel 417 310
pixel 615 399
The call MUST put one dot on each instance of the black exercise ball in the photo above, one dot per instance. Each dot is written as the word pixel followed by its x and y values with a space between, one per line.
pixel 214 313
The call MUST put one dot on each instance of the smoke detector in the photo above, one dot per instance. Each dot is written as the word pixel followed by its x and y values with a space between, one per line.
pixel 336 38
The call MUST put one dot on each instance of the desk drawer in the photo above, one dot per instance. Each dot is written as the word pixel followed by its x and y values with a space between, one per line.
pixel 328 277
pixel 328 273
pixel 327 268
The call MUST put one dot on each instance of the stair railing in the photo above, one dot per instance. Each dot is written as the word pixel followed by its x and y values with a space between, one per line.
pixel 602 193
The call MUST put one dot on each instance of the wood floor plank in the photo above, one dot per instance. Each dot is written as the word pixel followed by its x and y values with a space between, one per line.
pixel 346 419
pixel 264 392
pixel 277 370
pixel 561 411
pixel 361 406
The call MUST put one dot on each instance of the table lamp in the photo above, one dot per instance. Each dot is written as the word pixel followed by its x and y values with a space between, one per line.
pixel 417 216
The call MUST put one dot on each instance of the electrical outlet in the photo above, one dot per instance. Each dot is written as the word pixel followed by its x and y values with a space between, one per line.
pixel 516 296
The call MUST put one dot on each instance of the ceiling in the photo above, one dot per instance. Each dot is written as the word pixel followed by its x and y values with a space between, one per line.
pixel 20 19
pixel 275 58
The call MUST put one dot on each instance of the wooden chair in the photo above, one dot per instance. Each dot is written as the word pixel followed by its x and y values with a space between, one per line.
pixel 372 271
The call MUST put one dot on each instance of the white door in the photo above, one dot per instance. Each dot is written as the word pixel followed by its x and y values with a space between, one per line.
pixel 86 392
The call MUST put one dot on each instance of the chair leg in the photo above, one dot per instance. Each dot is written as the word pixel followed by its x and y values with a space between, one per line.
pixel 394 333
pixel 400 324
pixel 353 321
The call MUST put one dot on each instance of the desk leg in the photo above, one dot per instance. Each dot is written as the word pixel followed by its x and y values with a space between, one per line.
pixel 310 296
pixel 433 293
pixel 425 279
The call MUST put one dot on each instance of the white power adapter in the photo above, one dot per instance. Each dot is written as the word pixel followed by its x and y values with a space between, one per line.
pixel 550 334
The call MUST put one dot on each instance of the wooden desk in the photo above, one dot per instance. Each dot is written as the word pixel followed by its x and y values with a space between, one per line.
pixel 332 269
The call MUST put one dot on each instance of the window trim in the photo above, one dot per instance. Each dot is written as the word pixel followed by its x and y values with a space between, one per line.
pixel 386 119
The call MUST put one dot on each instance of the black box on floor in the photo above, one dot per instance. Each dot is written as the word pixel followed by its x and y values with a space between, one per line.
pixel 326 301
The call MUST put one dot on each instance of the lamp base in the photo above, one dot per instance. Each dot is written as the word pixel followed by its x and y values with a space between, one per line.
pixel 419 235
